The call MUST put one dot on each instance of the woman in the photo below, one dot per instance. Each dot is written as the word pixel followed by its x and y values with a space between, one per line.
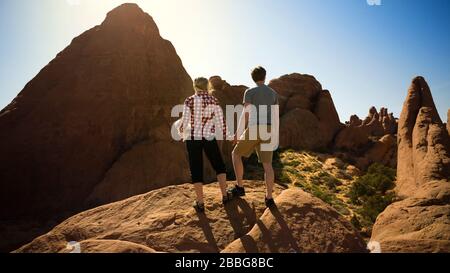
pixel 203 116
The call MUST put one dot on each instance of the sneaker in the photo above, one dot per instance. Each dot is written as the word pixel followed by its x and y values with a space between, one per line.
pixel 237 191
pixel 269 202
pixel 199 207
pixel 227 198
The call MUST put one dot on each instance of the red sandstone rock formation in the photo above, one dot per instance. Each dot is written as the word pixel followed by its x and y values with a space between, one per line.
pixel 419 223
pixel 95 122
pixel 309 119
pixel 300 224
pixel 357 132
pixel 163 220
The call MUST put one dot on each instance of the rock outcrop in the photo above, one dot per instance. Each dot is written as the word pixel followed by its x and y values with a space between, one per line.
pixel 227 95
pixel 423 144
pixel 368 141
pixel 420 222
pixel 94 125
pixel 357 133
pixel 448 122
pixel 300 224
pixel 308 117
pixel 163 220
pixel 383 151
pixel 107 246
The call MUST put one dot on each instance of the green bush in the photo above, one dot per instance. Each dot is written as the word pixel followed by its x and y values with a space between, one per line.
pixel 355 222
pixel 340 206
pixel 283 177
pixel 322 194
pixel 371 191
pixel 324 178
pixel 374 205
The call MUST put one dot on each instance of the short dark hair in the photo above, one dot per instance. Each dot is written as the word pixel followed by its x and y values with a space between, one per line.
pixel 259 74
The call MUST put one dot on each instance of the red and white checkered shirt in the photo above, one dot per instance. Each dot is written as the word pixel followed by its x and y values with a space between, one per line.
pixel 204 117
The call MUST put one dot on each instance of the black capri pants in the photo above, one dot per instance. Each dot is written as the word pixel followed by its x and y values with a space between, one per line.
pixel 195 150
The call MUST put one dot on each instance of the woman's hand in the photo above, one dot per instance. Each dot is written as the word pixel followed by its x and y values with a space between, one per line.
pixel 235 140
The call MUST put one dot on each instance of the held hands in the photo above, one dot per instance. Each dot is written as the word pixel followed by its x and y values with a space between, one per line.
pixel 235 140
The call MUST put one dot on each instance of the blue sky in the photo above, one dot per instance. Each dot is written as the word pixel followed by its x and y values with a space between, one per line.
pixel 365 55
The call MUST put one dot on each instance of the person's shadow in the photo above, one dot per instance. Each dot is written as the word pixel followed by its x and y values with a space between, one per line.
pixel 240 222
pixel 209 235
pixel 285 231
pixel 251 246
pixel 243 222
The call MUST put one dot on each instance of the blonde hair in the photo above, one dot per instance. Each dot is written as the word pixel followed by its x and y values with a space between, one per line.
pixel 201 85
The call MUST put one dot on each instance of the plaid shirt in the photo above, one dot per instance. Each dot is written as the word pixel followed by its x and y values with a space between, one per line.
pixel 204 116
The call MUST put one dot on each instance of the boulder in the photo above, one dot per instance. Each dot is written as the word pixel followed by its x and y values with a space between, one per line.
pixel 301 223
pixel 351 138
pixel 353 171
pixel 298 91
pixel 299 129
pixel 309 119
pixel 329 123
pixel 417 224
pixel 332 163
pixel 384 151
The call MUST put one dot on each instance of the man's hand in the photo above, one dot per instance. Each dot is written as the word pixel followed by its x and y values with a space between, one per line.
pixel 235 140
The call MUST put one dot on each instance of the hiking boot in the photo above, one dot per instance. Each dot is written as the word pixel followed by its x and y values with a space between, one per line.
pixel 227 198
pixel 199 207
pixel 270 202
pixel 237 191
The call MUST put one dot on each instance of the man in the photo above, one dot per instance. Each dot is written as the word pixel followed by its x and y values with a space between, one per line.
pixel 260 114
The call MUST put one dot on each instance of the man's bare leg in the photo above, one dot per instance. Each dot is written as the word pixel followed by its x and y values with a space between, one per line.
pixel 270 179
pixel 238 169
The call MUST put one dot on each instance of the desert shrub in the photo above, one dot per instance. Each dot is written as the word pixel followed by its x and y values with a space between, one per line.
pixel 340 206
pixel 322 194
pixel 283 177
pixel 355 222
pixel 332 182
pixel 293 163
pixel 374 205
pixel 316 165
pixel 371 191
pixel 324 178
